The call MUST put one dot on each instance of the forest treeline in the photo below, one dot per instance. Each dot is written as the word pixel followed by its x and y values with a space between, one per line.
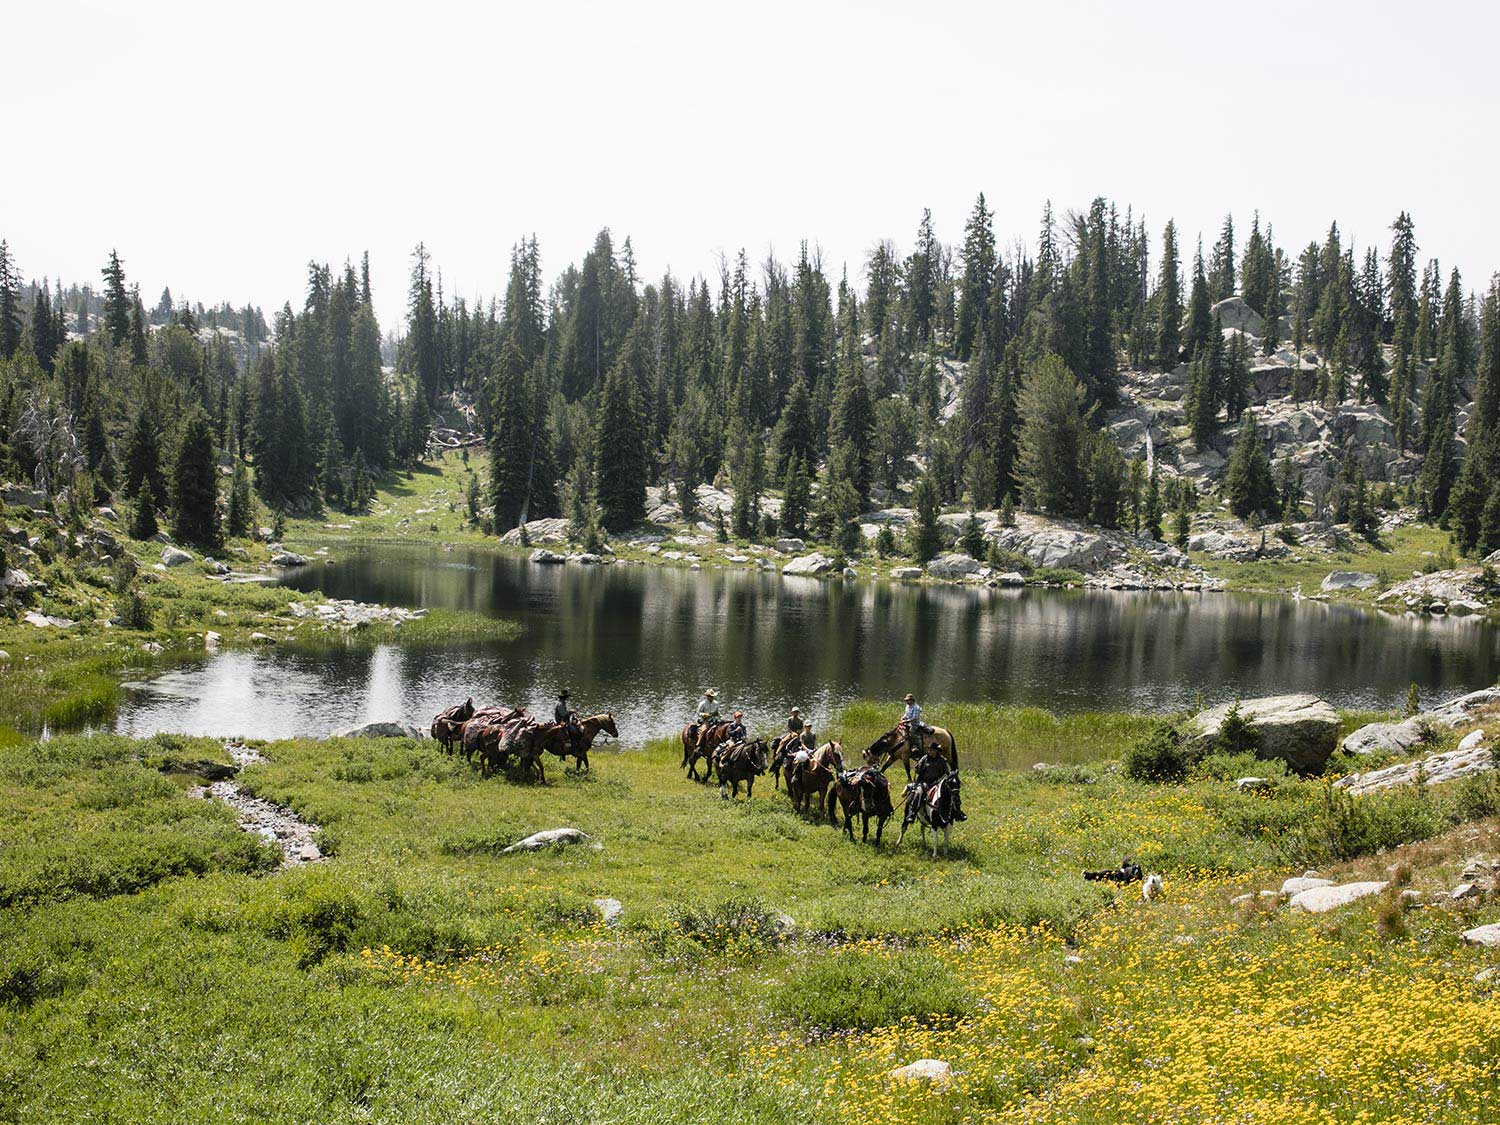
pixel 774 377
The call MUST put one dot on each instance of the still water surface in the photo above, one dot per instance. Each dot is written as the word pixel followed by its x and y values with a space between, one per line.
pixel 642 641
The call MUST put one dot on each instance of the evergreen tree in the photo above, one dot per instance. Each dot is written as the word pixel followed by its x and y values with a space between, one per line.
pixel 1271 334
pixel 1054 439
pixel 796 434
pixel 1200 317
pixel 1221 266
pixel 1489 529
pixel 1168 299
pixel 1153 507
pixel 195 490
pixel 143 461
pixel 143 525
pixel 925 538
pixel 1248 484
pixel 117 302
pixel 1107 483
pixel 971 539
pixel 621 459
pixel 516 430
pixel 10 304
pixel 978 256
pixel 1237 378
pixel 241 518
pixel 795 498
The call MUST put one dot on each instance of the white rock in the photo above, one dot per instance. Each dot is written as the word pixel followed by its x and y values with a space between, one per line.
pixel 1470 740
pixel 211 640
pixel 953 566
pixel 289 559
pixel 906 573
pixel 1301 730
pixel 1295 886
pixel 1254 784
pixel 1319 900
pixel 609 909
pixel 934 1072
pixel 1467 890
pixel 790 546
pixel 550 558
pixel 174 556
pixel 1434 769
pixel 1348 580
pixel 815 563
pixel 552 837
pixel 1488 936
pixel 1010 578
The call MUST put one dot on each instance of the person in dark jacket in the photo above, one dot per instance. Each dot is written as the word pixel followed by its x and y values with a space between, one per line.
pixel 564 714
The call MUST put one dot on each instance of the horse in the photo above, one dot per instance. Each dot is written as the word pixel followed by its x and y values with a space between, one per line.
pixel 894 744
pixel 784 744
pixel 739 761
pixel 815 776
pixel 700 741
pixel 448 726
pixel 935 808
pixel 864 792
pixel 555 738
pixel 477 727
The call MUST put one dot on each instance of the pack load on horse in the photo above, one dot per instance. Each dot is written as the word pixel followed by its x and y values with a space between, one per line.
pixel 798 735
pixel 701 739
pixel 812 772
pixel 932 800
pixel 909 738
pixel 448 726
pixel 743 760
pixel 483 725
pixel 864 792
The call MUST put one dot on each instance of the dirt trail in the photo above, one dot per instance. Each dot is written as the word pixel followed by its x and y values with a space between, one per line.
pixel 275 823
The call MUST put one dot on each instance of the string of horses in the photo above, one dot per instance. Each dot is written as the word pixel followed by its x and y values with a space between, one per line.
pixel 818 780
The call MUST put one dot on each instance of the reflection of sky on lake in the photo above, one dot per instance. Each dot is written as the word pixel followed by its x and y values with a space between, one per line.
pixel 642 641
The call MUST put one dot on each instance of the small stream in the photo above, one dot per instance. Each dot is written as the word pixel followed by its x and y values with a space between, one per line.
pixel 274 823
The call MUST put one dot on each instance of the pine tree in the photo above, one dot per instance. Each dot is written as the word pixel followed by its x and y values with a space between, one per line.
pixel 241 519
pixel 117 303
pixel 1248 484
pixel 10 304
pixel 971 538
pixel 1271 334
pixel 1489 528
pixel 143 525
pixel 1237 378
pixel 143 454
pixel 925 539
pixel 621 459
pixel 514 435
pixel 1168 299
pixel 195 491
pixel 1107 483
pixel 795 498
pixel 1200 317
pixel 1053 447
pixel 1151 515
pixel 796 434
pixel 1221 265
pixel 978 256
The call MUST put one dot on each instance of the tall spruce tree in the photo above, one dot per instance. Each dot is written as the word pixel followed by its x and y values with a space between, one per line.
pixel 1054 440
pixel 117 302
pixel 621 457
pixel 1168 300
pixel 195 489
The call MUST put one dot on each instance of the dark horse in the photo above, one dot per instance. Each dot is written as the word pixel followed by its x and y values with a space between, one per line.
pixel 935 806
pixel 864 792
pixel 895 744
pixel 739 761
pixel 479 725
pixel 814 777
pixel 556 738
pixel 448 726
pixel 785 744
pixel 699 740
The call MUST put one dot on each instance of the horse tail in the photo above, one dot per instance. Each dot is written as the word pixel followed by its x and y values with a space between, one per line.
pixel 953 748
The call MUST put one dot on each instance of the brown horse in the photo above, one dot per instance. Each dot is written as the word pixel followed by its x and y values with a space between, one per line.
pixel 864 792
pixel 481 724
pixel 555 738
pixel 783 746
pixel 699 742
pixel 815 776
pixel 492 735
pixel 739 761
pixel 894 745
pixel 448 726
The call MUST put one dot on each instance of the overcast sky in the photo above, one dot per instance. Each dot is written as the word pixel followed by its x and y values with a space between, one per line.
pixel 220 147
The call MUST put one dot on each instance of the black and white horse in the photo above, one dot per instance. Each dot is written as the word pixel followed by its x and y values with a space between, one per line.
pixel 936 806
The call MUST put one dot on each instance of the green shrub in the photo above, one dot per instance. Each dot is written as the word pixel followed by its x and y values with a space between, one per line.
pixel 863 992
pixel 1057 575
pixel 1006 561
pixel 1160 756
pixel 1236 734
pixel 732 922
pixel 1345 827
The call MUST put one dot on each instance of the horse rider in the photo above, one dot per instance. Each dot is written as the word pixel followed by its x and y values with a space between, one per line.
pixel 708 711
pixel 911 725
pixel 737 732
pixel 805 744
pixel 932 769
pixel 564 715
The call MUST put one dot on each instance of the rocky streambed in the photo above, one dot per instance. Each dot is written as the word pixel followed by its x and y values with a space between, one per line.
pixel 274 823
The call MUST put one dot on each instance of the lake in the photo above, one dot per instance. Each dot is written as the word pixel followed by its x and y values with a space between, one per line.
pixel 643 641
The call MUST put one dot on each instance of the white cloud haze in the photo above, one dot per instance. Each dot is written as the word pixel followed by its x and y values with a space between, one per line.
pixel 219 147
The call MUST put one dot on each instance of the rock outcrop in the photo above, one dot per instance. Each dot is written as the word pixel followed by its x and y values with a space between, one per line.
pixel 1433 769
pixel 815 563
pixel 953 566
pixel 1348 580
pixel 1320 900
pixel 1300 730
pixel 392 728
pixel 1400 737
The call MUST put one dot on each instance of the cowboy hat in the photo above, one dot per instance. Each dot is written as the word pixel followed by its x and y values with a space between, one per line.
pixel 795 711
pixel 711 693
pixel 908 698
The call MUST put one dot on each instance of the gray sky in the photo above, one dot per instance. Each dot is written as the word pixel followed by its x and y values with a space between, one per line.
pixel 220 147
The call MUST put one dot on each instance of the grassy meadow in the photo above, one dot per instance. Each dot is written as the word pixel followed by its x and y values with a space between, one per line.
pixel 154 966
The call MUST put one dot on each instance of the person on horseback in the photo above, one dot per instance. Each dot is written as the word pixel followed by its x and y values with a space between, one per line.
pixel 708 711
pixel 794 723
pixel 911 726
pixel 805 747
pixel 737 731
pixel 933 769
pixel 564 714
